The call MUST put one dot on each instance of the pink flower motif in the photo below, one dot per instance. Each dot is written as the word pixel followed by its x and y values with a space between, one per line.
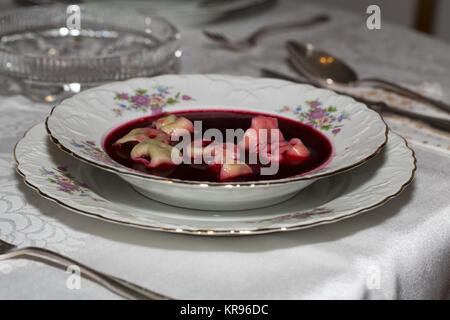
pixel 336 131
pixel 67 186
pixel 157 100
pixel 157 110
pixel 315 104
pixel 92 143
pixel 317 114
pixel 141 100
pixel 323 121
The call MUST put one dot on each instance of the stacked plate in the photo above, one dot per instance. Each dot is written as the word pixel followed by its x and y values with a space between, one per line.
pixel 64 159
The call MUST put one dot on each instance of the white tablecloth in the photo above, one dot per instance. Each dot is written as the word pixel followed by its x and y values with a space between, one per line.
pixel 400 250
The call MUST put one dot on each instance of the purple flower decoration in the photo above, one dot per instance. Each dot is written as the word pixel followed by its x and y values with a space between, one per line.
pixel 66 182
pixel 157 110
pixel 336 131
pixel 141 100
pixel 157 100
pixel 317 114
pixel 92 143
pixel 324 119
pixel 315 104
pixel 65 186
pixel 144 100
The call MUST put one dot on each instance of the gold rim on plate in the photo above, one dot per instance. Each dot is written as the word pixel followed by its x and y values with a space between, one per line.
pixel 217 232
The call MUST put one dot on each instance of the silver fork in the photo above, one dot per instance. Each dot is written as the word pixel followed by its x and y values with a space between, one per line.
pixel 252 39
pixel 121 287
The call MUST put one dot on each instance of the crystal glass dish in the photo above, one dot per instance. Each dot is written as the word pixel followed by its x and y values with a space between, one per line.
pixel 45 57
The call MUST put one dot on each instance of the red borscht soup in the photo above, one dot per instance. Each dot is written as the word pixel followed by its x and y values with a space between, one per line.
pixel 151 145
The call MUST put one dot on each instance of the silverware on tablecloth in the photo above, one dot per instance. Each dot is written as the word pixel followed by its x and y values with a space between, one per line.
pixel 251 40
pixel 379 106
pixel 121 287
pixel 327 69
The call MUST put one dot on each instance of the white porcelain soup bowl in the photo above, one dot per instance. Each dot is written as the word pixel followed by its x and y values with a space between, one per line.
pixel 80 124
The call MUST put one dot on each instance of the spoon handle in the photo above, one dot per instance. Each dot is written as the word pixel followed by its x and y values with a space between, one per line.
pixel 439 123
pixel 379 83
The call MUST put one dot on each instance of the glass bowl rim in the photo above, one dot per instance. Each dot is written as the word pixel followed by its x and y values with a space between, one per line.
pixel 175 34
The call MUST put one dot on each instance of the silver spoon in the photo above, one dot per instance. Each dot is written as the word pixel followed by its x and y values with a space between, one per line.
pixel 251 40
pixel 379 106
pixel 327 70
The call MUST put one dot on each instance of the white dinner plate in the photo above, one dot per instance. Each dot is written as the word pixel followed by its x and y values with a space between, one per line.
pixel 100 194
pixel 79 125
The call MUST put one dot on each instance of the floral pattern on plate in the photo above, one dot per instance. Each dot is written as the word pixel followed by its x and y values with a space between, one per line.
pixel 328 200
pixel 318 116
pixel 67 183
pixel 296 216
pixel 90 148
pixel 88 116
pixel 143 100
